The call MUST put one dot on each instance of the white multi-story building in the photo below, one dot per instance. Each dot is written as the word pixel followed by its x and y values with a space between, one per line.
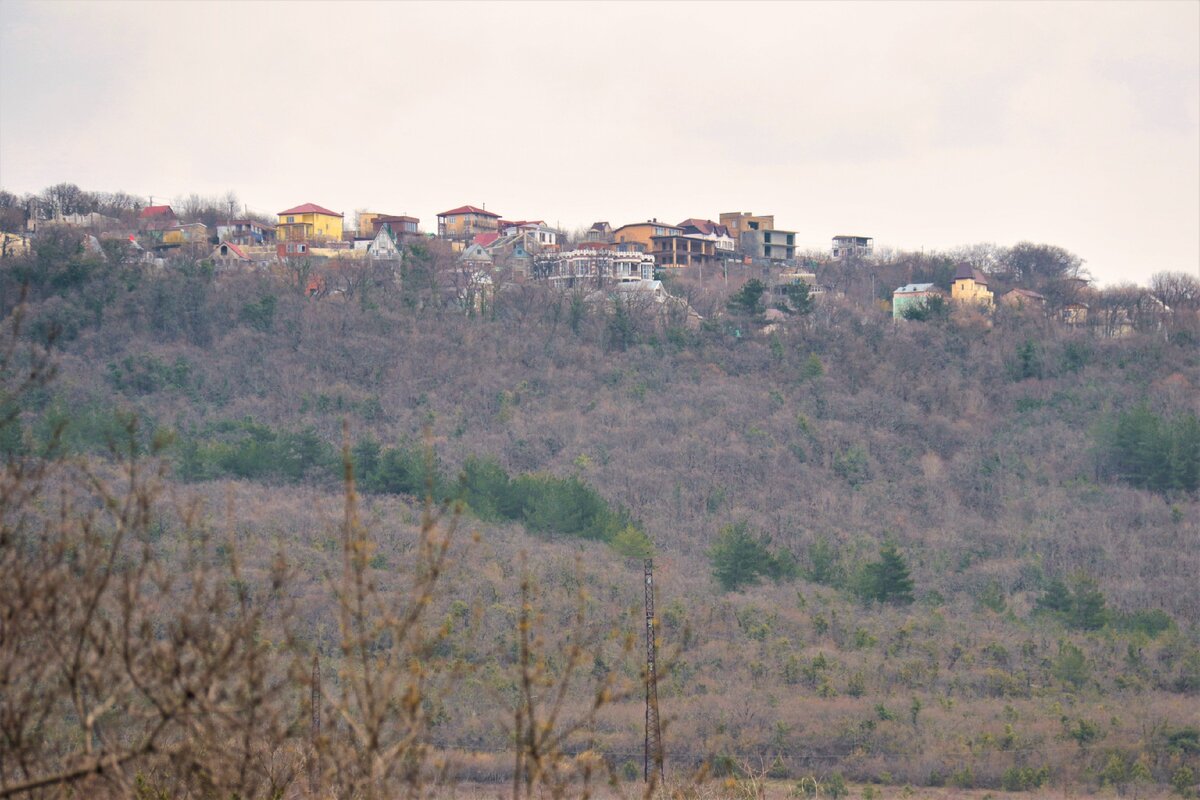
pixel 592 267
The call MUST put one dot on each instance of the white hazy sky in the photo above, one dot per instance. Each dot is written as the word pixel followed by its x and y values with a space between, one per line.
pixel 921 124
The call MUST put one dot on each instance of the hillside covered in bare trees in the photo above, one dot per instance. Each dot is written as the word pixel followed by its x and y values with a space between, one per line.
pixel 952 551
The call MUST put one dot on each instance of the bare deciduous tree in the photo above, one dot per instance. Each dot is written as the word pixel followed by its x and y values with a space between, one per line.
pixel 1178 291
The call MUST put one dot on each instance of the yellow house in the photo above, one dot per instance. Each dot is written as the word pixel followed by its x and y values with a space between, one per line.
pixel 309 222
pixel 639 236
pixel 970 286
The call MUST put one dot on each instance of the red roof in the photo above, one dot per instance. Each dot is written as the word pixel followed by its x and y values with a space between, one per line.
pixel 236 249
pixel 467 210
pixel 155 211
pixel 310 208
pixel 484 239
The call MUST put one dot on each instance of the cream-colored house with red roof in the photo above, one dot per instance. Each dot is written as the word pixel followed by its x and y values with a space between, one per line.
pixel 227 256
pixel 309 222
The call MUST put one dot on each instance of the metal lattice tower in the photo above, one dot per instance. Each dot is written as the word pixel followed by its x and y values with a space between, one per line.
pixel 654 751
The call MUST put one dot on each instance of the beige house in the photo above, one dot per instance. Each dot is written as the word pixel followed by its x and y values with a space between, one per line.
pixel 971 286
pixel 1023 298
pixel 466 222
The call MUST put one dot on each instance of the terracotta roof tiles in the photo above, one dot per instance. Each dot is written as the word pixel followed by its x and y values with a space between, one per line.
pixel 468 210
pixel 310 208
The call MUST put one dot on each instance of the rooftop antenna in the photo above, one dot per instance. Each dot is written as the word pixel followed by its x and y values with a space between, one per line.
pixel 653 752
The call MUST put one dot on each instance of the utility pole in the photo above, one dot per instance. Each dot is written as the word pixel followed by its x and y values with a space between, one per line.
pixel 654 752
pixel 315 732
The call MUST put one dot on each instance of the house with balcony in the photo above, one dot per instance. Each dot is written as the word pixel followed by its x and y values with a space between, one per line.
pixel 246 232
pixel 681 250
pixel 536 233
pixel 592 268
pixel 707 229
pixel 460 225
pixel 845 246
pixel 638 237
pixel 309 223
pixel 402 226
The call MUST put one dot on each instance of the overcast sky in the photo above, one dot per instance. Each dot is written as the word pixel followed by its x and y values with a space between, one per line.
pixel 923 125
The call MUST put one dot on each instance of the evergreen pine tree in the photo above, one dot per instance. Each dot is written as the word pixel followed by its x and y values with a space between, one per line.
pixel 887 580
pixel 739 558
pixel 1057 597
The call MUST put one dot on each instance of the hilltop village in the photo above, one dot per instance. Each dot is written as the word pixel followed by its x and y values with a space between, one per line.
pixel 477 253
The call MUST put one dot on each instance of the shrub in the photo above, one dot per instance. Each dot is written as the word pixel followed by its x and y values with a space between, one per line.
pixel 1071 666
pixel 1024 779
pixel 1150 622
pixel 835 786
pixel 632 542
pixel 1080 606
pixel 1183 782
pixel 931 309
pixel 851 465
pixel 824 566
pixel 1084 732
pixel 1028 363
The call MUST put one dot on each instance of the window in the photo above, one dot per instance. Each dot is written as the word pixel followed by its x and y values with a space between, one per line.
pixel 291 219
